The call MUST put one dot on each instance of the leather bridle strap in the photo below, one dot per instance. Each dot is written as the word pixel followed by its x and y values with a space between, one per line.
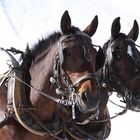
pixel 88 76
pixel 77 128
pixel 60 72
pixel 57 100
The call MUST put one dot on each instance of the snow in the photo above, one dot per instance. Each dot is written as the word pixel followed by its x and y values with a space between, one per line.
pixel 25 21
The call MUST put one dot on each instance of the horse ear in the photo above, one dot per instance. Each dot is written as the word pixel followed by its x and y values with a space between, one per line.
pixel 115 29
pixel 91 28
pixel 100 59
pixel 65 22
pixel 134 32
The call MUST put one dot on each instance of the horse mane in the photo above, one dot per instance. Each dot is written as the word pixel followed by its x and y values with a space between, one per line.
pixel 46 43
pixel 30 54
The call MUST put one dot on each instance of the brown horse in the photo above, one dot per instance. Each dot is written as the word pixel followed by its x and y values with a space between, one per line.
pixel 54 94
pixel 121 72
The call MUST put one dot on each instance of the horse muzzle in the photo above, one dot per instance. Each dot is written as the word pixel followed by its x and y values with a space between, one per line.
pixel 135 104
pixel 86 103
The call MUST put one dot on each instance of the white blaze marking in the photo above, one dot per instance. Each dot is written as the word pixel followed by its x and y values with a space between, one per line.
pixel 129 51
pixel 109 54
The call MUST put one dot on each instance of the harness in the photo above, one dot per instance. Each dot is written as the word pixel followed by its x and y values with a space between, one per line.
pixel 25 114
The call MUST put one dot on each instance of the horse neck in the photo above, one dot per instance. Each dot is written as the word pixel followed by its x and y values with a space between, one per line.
pixel 41 71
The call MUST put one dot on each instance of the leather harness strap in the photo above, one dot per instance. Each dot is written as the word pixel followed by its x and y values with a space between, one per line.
pixel 10 91
pixel 26 115
pixel 4 116
pixel 23 113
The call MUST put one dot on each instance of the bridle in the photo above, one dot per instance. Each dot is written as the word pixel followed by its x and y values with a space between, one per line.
pixel 65 87
pixel 122 87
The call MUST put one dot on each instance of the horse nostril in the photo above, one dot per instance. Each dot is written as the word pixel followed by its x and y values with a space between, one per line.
pixel 85 96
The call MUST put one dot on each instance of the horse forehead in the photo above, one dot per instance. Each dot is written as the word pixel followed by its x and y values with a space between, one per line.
pixel 123 45
pixel 118 43
pixel 77 36
pixel 77 42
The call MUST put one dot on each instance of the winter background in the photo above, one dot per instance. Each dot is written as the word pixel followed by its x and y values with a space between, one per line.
pixel 25 21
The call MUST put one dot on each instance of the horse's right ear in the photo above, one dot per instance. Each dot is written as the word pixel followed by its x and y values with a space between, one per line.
pixel 92 27
pixel 115 29
pixel 65 23
pixel 134 32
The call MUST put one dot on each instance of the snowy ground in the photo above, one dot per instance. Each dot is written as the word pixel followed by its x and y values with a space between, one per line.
pixel 25 21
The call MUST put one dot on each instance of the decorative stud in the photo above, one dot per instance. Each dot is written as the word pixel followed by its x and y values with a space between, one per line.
pixel 104 85
pixel 58 91
pixel 109 93
pixel 119 95
pixel 52 80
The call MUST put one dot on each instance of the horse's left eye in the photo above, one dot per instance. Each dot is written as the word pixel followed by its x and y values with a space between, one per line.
pixel 116 55
pixel 66 52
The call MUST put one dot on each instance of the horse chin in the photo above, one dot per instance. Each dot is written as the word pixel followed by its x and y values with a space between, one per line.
pixel 87 108
pixel 135 105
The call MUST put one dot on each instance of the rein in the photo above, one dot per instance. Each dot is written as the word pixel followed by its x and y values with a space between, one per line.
pixel 65 103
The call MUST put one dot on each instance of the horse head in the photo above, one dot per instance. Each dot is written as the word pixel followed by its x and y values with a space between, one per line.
pixel 123 64
pixel 78 62
pixel 63 67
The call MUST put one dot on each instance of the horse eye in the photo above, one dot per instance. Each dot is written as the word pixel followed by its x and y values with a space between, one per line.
pixel 116 55
pixel 66 52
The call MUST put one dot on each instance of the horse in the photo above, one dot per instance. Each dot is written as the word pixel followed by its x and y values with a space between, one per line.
pixel 121 71
pixel 53 92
